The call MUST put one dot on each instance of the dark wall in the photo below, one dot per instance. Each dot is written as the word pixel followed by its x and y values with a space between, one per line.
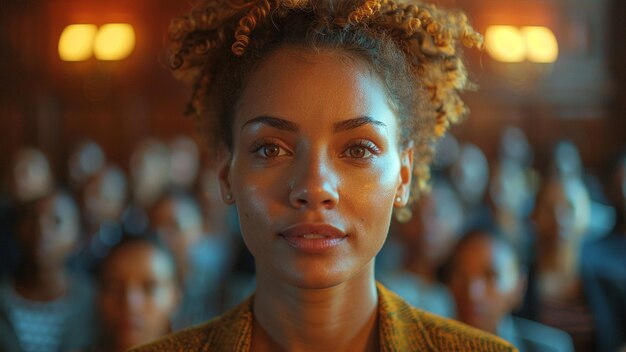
pixel 53 105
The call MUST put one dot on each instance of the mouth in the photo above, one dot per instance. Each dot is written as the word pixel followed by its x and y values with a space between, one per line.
pixel 313 238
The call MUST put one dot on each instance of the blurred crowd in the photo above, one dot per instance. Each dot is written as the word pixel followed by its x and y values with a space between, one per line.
pixel 108 259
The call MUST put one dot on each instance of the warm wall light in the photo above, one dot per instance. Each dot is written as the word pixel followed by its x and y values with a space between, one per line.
pixel 541 44
pixel 114 41
pixel 76 42
pixel 505 43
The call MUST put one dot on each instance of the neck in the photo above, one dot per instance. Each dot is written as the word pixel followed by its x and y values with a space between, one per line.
pixel 338 318
pixel 41 283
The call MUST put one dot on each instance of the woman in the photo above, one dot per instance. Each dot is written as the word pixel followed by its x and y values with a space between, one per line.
pixel 320 110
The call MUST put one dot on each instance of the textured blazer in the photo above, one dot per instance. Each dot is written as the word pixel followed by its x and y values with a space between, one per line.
pixel 401 328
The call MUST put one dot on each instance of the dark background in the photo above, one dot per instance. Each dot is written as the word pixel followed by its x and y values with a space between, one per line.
pixel 53 105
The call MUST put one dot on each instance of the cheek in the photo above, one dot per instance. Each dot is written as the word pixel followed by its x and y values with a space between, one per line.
pixel 258 201
pixel 371 197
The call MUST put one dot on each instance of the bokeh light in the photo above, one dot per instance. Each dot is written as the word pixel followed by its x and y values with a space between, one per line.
pixel 542 46
pixel 76 42
pixel 505 43
pixel 114 41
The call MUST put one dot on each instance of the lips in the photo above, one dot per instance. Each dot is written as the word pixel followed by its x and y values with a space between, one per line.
pixel 313 238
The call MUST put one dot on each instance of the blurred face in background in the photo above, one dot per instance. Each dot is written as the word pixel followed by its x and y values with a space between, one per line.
pixel 485 281
pixel 470 174
pixel 562 211
pixel 86 160
pixel 105 196
pixel 510 189
pixel 178 222
pixel 184 162
pixel 138 294
pixel 150 171
pixel 32 177
pixel 48 230
pixel 435 225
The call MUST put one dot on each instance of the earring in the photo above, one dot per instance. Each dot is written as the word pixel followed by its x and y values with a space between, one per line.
pixel 229 196
pixel 398 199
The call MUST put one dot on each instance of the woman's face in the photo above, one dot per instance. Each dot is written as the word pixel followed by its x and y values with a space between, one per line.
pixel 315 167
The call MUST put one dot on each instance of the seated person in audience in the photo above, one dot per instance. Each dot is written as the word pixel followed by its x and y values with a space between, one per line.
pixel 28 178
pixel 511 197
pixel 426 241
pixel 179 224
pixel 555 294
pixel 32 176
pixel 44 307
pixel 138 293
pixel 469 175
pixel 184 164
pixel 149 178
pixel 87 160
pixel 604 270
pixel 104 199
pixel 487 283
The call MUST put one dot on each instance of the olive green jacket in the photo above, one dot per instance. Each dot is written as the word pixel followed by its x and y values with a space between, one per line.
pixel 401 328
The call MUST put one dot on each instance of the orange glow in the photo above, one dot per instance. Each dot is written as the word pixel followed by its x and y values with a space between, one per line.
pixel 114 41
pixel 76 42
pixel 505 43
pixel 542 46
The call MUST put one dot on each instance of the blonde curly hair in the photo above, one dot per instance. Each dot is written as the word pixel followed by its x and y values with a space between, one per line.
pixel 414 47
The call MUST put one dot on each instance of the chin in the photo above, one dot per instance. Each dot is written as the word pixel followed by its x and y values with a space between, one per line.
pixel 319 275
pixel 315 281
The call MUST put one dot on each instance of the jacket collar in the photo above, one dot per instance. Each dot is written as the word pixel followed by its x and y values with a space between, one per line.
pixel 397 327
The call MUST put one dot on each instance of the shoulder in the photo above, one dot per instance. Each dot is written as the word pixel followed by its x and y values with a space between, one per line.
pixel 447 334
pixel 404 327
pixel 230 331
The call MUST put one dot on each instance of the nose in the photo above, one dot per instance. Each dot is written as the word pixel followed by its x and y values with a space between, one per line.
pixel 314 184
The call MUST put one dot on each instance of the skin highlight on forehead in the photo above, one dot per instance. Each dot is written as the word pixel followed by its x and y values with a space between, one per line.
pixel 316 96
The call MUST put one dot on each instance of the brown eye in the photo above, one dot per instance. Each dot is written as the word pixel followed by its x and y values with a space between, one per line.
pixel 357 152
pixel 271 151
pixel 361 149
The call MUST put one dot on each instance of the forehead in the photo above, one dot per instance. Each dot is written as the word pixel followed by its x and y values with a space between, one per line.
pixel 307 85
pixel 138 261
pixel 482 253
pixel 474 252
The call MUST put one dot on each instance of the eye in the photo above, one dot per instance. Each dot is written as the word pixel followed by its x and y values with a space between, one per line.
pixel 359 152
pixel 362 149
pixel 269 150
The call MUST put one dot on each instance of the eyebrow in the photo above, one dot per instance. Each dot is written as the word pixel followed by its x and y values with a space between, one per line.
pixel 290 126
pixel 275 122
pixel 351 124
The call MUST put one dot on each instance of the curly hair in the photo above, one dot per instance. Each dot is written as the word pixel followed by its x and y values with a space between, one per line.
pixel 413 47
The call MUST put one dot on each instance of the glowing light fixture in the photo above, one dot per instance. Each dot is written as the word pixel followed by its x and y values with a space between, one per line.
pixel 114 41
pixel 541 44
pixel 76 42
pixel 505 43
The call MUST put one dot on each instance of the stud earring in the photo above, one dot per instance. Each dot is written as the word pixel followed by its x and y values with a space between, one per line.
pixel 398 199
pixel 229 196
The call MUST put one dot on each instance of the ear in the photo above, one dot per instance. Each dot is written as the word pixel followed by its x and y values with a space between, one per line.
pixel 406 173
pixel 224 158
